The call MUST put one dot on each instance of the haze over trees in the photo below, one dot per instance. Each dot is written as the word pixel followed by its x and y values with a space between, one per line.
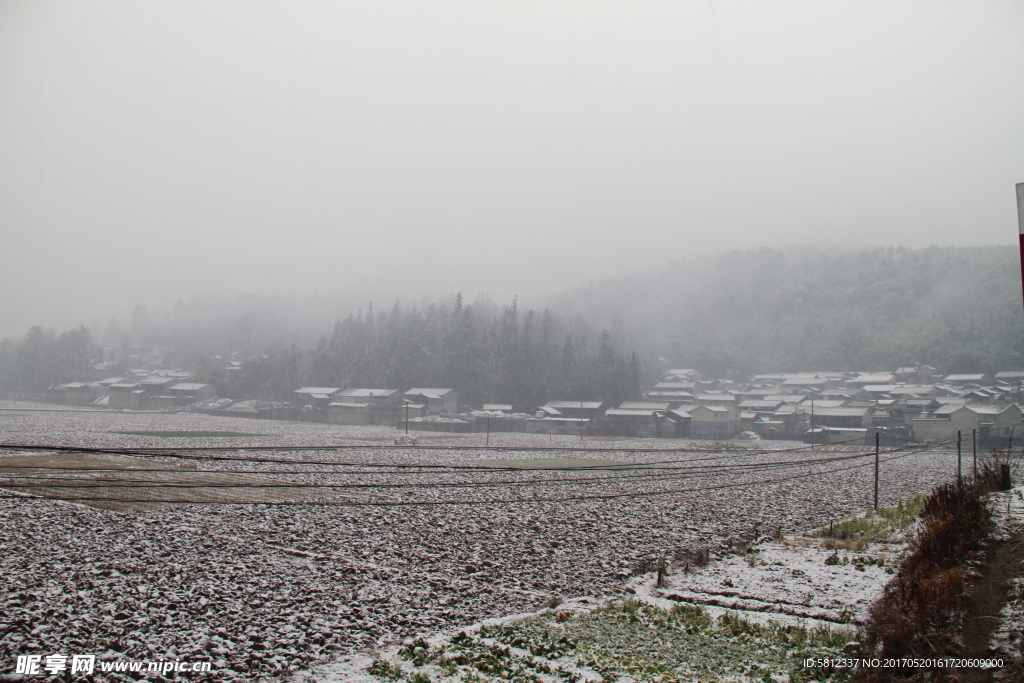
pixel 743 312
pixel 486 356
pixel 739 313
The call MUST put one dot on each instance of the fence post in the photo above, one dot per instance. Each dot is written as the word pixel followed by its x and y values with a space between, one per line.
pixel 876 472
pixel 959 481
pixel 974 450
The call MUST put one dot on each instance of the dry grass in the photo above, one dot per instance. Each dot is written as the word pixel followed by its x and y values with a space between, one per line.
pixel 922 611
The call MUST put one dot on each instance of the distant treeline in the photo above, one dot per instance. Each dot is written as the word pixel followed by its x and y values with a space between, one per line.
pixel 955 308
pixel 736 314
pixel 500 357
pixel 494 355
pixel 42 359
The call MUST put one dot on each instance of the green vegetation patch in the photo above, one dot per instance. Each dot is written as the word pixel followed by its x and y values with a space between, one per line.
pixel 190 435
pixel 877 523
pixel 632 639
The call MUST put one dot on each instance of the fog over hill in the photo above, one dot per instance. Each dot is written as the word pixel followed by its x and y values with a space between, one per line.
pixel 734 314
pixel 957 308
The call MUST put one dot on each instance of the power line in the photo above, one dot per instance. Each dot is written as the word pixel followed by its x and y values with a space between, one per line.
pixel 660 474
pixel 174 453
pixel 714 470
pixel 420 503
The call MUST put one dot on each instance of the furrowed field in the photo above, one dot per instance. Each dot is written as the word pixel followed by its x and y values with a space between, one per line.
pixel 376 552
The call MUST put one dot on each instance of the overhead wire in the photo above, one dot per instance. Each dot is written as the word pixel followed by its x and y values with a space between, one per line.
pixel 662 473
pixel 534 500
pixel 174 453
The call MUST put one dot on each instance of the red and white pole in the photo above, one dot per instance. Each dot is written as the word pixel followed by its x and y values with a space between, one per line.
pixel 1020 223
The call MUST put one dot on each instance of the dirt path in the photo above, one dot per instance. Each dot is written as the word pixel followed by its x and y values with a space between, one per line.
pixel 990 627
pixel 1002 565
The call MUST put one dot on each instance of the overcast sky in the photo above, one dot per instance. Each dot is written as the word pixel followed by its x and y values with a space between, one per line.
pixel 150 151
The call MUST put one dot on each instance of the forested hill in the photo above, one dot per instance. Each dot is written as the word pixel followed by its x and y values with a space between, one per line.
pixel 956 308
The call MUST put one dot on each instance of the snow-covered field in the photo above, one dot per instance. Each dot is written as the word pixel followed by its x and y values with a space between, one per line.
pixel 264 589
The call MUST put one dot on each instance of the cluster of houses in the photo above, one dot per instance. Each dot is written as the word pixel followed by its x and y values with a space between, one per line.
pixel 377 406
pixel 912 403
pixel 141 389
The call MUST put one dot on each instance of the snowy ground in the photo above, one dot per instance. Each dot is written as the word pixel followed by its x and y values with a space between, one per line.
pixel 788 585
pixel 1007 640
pixel 791 578
pixel 262 590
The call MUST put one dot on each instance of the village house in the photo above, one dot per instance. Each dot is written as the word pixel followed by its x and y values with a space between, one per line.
pixel 683 375
pixel 190 392
pixel 437 401
pixel 760 407
pixel 126 396
pixel 590 410
pixel 788 399
pixel 915 390
pixel 864 379
pixel 644 405
pixel 319 397
pixel 715 399
pixel 349 413
pixel 385 404
pixel 859 417
pixel 808 383
pixel 72 394
pixel 631 422
pixel 544 423
pixel 980 379
pixel 989 421
pixel 157 385
pixel 105 384
pixel 874 392
pixel 685 387
pixel 672 398
pixel 714 422
pixel 505 408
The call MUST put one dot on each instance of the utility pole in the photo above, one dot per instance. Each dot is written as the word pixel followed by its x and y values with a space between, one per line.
pixel 876 470
pixel 959 481
pixel 488 431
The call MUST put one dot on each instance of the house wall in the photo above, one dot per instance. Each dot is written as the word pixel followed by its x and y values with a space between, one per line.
pixel 124 400
pixel 350 415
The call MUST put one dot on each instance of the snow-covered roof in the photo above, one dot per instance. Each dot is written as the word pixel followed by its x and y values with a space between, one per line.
pixel 368 392
pixel 431 392
pixel 643 405
pixel 188 386
pixel 620 412
pixel 840 412
pixel 586 405
pixel 1010 374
